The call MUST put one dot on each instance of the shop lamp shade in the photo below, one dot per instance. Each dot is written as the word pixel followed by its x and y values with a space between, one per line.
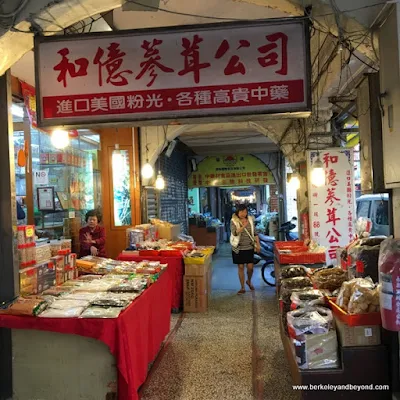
pixel 117 161
pixel 294 182
pixel 147 171
pixel 60 139
pixel 318 173
pixel 160 182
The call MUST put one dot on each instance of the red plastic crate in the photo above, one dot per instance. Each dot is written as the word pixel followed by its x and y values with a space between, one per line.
pixel 370 319
pixel 171 253
pixel 149 253
pixel 298 255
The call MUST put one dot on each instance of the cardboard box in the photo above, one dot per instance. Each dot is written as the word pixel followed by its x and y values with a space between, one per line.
pixel 195 293
pixel 169 232
pixel 317 351
pixel 197 269
pixel 353 336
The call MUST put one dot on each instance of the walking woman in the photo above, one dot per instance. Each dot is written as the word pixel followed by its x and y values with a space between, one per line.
pixel 244 241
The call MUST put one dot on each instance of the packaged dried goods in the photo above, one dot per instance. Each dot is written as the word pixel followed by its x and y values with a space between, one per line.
pixel 356 296
pixel 89 278
pixel 58 290
pixel 29 306
pixel 299 282
pixel 329 278
pixel 293 271
pixel 102 312
pixel 365 299
pixel 307 298
pixel 74 312
pixel 306 321
pixel 318 351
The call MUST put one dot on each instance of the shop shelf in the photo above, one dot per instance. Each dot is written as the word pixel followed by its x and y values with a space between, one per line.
pixel 370 319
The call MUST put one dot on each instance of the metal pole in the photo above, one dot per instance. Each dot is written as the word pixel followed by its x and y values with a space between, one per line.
pixel 9 282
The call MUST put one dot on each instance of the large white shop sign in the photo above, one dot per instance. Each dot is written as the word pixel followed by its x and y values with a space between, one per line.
pixel 177 73
pixel 332 209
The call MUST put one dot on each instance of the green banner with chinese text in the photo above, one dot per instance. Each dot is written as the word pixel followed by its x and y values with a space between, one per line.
pixel 231 171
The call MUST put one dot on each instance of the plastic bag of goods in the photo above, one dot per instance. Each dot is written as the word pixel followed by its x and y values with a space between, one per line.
pixel 293 271
pixel 28 306
pixel 307 321
pixel 389 278
pixel 364 299
pixel 329 278
pixel 318 351
pixel 347 290
pixel 307 299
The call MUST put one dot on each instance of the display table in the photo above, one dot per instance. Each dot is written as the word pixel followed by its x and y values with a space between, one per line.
pixel 134 338
pixel 177 270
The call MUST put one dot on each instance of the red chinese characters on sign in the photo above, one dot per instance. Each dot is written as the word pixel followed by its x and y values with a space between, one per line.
pixel 331 200
pixel 77 68
pixel 191 53
pixel 270 55
pixel 112 64
pixel 152 61
pixel 234 66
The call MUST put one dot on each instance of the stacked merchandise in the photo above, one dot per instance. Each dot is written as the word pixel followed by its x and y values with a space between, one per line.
pixel 39 270
pixel 166 230
pixel 90 296
pixel 197 281
pixel 355 306
pixel 26 246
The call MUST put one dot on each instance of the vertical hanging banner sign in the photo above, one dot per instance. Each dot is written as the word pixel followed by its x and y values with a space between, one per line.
pixel 332 208
pixel 175 73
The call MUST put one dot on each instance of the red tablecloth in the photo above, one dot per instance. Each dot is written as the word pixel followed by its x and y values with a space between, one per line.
pixel 134 338
pixel 177 267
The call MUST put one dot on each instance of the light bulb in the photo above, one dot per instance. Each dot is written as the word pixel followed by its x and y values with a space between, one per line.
pixel 294 182
pixel 147 171
pixel 60 139
pixel 160 182
pixel 117 161
pixel 318 173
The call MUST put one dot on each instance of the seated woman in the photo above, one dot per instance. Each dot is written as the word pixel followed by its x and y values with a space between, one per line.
pixel 92 237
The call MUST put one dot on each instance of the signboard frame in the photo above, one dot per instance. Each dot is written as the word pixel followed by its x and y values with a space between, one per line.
pixel 338 197
pixel 175 117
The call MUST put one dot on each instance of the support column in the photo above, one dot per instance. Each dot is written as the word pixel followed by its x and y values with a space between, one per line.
pixel 9 286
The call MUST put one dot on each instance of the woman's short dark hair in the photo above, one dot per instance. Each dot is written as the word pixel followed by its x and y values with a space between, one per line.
pixel 94 213
pixel 241 207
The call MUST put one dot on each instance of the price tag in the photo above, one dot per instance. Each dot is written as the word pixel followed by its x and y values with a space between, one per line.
pixel 368 332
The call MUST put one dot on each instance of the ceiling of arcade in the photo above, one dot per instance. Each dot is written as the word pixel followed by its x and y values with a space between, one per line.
pixel 343 46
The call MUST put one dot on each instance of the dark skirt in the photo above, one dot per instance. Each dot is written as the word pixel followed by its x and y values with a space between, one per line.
pixel 243 257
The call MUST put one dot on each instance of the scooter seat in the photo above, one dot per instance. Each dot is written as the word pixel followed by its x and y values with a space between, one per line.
pixel 265 238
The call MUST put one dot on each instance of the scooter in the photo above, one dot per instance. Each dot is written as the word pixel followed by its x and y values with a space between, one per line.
pixel 267 251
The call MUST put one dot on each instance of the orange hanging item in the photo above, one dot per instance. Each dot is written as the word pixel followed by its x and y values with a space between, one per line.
pixel 21 157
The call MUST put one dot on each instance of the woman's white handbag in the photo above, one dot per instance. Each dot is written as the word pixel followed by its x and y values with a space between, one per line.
pixel 235 241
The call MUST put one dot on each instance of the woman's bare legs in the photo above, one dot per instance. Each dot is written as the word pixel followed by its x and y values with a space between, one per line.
pixel 241 278
pixel 250 269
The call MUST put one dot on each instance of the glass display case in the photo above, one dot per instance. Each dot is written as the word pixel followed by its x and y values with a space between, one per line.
pixel 72 174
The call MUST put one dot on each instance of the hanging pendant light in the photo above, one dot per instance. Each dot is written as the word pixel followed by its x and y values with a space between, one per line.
pixel 160 182
pixel 147 170
pixel 294 181
pixel 318 173
pixel 60 139
pixel 117 159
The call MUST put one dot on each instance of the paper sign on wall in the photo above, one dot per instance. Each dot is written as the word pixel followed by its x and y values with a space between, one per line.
pixel 41 177
pixel 332 210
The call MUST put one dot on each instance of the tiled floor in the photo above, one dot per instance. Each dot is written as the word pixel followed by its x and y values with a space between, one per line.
pixel 232 352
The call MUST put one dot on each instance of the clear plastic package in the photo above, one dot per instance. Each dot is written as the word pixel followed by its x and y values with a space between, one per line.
pixel 101 312
pixel 306 321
